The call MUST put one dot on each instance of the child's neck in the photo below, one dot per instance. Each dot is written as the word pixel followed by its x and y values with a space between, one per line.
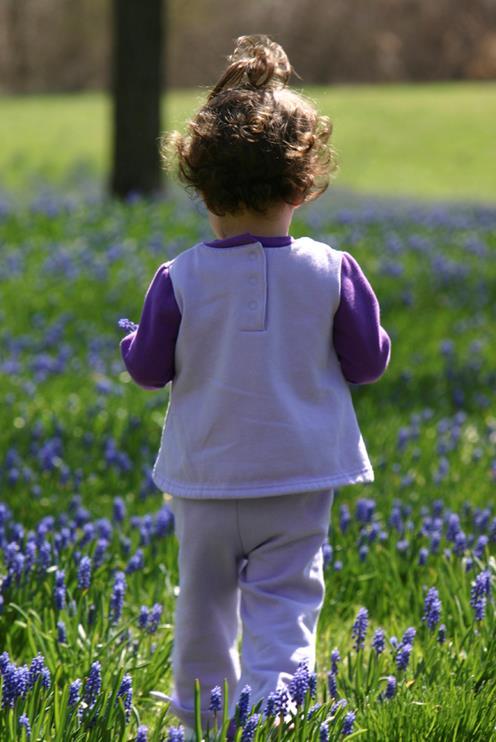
pixel 274 223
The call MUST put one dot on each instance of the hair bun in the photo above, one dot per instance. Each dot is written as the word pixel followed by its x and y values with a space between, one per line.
pixel 256 62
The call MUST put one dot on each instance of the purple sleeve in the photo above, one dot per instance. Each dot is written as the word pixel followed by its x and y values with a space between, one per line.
pixel 148 352
pixel 363 347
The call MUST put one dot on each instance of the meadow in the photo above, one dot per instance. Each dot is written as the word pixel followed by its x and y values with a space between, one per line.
pixel 88 575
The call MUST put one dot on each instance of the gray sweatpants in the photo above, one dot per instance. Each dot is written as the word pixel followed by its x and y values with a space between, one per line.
pixel 254 564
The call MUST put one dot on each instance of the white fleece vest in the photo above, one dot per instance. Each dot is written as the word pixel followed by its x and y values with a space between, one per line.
pixel 259 405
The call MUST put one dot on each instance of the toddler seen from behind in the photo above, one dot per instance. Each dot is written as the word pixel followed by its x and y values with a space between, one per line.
pixel 259 334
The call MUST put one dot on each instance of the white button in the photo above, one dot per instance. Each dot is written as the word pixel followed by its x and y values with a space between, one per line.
pixel 253 305
pixel 252 280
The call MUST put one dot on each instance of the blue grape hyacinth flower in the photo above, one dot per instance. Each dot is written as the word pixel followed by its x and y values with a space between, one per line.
pixel 432 608
pixel 378 641
pixel 250 728
pixel 215 699
pixel 360 628
pixel 75 692
pixel 93 684
pixel 299 683
pixel 244 704
pixel 24 722
pixel 348 722
pixel 127 324
pixel 403 656
pixel 390 691
pixel 84 573
pixel 335 658
pixel 332 685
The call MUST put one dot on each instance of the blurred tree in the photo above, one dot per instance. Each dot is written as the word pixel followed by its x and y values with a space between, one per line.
pixel 136 88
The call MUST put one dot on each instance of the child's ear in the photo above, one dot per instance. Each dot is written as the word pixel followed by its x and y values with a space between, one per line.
pixel 297 200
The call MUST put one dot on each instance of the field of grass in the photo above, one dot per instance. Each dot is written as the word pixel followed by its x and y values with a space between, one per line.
pixel 427 141
pixel 88 575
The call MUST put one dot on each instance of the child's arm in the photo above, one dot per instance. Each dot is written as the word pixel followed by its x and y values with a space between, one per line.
pixel 363 347
pixel 148 352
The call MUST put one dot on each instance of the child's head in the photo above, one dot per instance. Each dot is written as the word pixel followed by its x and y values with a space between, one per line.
pixel 254 143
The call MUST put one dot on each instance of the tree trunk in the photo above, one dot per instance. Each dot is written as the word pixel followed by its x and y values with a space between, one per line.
pixel 136 88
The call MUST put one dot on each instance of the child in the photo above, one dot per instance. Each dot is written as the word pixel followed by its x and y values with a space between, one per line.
pixel 259 334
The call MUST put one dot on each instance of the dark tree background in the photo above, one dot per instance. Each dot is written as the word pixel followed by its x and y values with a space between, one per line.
pixel 136 89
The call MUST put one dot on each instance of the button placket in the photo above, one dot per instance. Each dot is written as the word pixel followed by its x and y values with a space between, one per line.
pixel 254 297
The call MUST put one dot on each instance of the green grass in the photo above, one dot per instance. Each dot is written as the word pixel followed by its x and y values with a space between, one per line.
pixel 71 268
pixel 428 141
pixel 435 275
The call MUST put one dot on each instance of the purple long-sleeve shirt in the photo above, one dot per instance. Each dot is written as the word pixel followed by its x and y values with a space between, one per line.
pixel 363 347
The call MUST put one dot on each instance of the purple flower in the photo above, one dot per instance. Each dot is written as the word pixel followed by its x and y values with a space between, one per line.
pixel 460 543
pixel 324 732
pixel 432 608
pixel 243 705
pixel 390 691
pixel 175 734
pixel 215 699
pixel 348 722
pixel 423 554
pixel 435 541
pixel 117 597
pixel 154 618
pixel 409 636
pixel 342 703
pixel 84 573
pixel 363 552
pixel 270 705
pixel 35 669
pixel 313 710
pixel 119 509
pixel 142 735
pixel 312 684
pixel 136 562
pixel 378 641
pixel 326 553
pixel 24 722
pixel 93 684
pixel 9 686
pixel 335 658
pixel 100 551
pixel 396 520
pixel 403 656
pixel 360 628
pixel 479 591
pixel 332 685
pixel 61 633
pixel 44 555
pixel 127 324
pixel 299 683
pixel 364 510
pixel 250 728
pixel 4 661
pixel 74 692
pixel 453 526
pixel 402 545
pixel 480 547
pixel 59 592
pixel 281 701
pixel 143 617
pixel 344 518
pixel 126 692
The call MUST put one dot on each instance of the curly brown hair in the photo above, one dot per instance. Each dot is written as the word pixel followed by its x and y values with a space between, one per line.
pixel 254 142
